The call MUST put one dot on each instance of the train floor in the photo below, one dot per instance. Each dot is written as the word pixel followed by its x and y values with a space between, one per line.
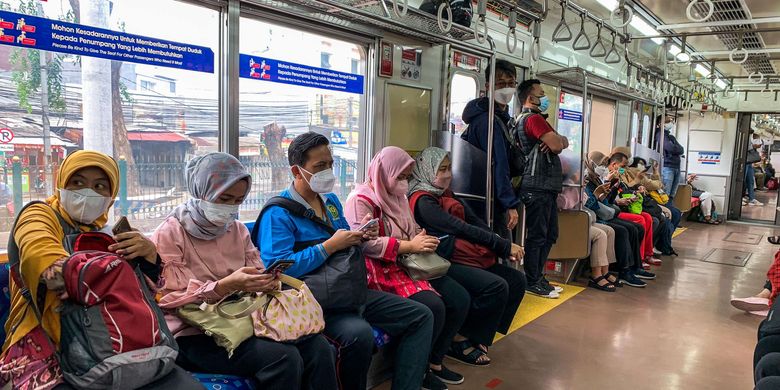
pixel 678 333
pixel 765 213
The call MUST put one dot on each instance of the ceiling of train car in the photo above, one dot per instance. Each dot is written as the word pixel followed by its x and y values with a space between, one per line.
pixel 673 12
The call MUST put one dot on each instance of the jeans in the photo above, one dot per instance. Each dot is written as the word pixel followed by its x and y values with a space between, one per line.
pixel 177 379
pixel 409 324
pixel 750 182
pixel 541 224
pixel 309 364
pixel 496 293
pixel 676 213
pixel 671 180
pixel 449 311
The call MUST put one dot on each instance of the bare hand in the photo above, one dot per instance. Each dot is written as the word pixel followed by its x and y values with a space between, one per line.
pixel 513 217
pixel 642 190
pixel 131 245
pixel 343 239
pixel 371 233
pixel 423 243
pixel 623 201
pixel 516 253
pixel 248 279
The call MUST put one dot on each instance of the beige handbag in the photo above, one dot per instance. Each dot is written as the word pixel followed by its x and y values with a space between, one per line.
pixel 424 266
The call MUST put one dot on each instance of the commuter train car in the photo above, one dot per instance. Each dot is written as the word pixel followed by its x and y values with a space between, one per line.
pixel 685 90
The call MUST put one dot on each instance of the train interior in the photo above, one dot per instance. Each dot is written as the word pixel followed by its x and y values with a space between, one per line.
pixel 614 71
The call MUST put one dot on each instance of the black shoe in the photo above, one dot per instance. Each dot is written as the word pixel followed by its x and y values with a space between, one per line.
pixel 448 376
pixel 549 286
pixel 642 274
pixel 432 382
pixel 628 278
pixel 540 290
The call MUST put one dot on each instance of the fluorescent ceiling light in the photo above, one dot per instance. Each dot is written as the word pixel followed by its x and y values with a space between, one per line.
pixel 720 84
pixel 702 70
pixel 638 23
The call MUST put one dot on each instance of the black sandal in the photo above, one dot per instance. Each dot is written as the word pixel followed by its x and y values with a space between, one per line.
pixel 774 240
pixel 458 352
pixel 616 283
pixel 609 287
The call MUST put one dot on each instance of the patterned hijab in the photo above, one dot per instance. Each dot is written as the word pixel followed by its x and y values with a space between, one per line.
pixel 207 178
pixel 425 171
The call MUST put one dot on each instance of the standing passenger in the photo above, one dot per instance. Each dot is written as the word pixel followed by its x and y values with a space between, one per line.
pixel 542 181
pixel 506 202
pixel 208 255
pixel 409 323
pixel 673 152
pixel 750 173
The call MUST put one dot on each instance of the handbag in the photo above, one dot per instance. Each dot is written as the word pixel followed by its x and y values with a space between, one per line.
pixel 339 284
pixel 228 333
pixel 634 207
pixel 424 266
pixel 605 213
pixel 752 156
pixel 289 314
pixel 660 196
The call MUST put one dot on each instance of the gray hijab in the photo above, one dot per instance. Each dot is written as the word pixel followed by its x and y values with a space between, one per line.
pixel 424 173
pixel 207 178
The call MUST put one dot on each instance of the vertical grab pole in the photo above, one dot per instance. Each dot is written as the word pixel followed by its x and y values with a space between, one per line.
pixel 585 141
pixel 17 182
pixel 490 135
pixel 122 186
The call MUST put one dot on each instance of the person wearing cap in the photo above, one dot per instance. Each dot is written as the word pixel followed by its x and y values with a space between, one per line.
pixel 542 181
pixel 673 153
pixel 750 173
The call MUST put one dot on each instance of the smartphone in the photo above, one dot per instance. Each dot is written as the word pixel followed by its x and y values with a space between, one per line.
pixel 444 237
pixel 369 224
pixel 279 267
pixel 121 226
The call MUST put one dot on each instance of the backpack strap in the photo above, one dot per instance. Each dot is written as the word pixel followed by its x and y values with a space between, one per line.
pixel 294 208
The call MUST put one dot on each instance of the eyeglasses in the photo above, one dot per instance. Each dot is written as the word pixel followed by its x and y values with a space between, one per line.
pixel 506 84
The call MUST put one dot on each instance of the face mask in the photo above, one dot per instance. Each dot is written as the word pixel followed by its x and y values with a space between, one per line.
pixel 640 167
pixel 219 214
pixel 757 141
pixel 321 182
pixel 443 180
pixel 504 95
pixel 603 172
pixel 668 126
pixel 621 170
pixel 401 188
pixel 544 103
pixel 84 205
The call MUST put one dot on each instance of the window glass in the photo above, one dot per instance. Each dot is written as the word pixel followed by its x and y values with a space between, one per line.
pixel 570 125
pixel 464 89
pixel 150 108
pixel 646 130
pixel 634 126
pixel 285 93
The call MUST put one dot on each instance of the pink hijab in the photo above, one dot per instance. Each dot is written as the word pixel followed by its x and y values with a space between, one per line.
pixel 390 162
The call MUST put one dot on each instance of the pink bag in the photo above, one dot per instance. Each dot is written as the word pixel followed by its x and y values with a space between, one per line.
pixel 285 315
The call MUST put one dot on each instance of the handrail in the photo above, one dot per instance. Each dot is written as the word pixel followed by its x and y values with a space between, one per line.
pixel 710 11
pixel 582 34
pixel 445 5
pixel 562 26
pixel 512 32
pixel 593 53
pixel 612 50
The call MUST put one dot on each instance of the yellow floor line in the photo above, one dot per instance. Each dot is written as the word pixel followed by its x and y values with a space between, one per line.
pixel 679 231
pixel 534 307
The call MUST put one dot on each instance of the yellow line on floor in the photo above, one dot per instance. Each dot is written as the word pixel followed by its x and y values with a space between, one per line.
pixel 534 307
pixel 679 231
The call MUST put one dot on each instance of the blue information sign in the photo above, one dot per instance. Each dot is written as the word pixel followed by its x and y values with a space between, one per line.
pixel 569 115
pixel 266 69
pixel 52 35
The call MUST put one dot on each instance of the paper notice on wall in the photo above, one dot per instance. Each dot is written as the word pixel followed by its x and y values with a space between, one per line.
pixel 708 158
pixel 411 64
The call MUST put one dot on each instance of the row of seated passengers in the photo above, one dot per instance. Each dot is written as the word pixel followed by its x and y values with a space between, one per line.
pixel 202 253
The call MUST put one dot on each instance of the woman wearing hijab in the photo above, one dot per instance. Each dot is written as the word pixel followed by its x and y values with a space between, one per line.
pixel 87 183
pixel 208 254
pixel 496 290
pixel 384 196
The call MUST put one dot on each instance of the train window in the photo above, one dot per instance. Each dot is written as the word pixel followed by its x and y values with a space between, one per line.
pixel 149 105
pixel 464 89
pixel 646 123
pixel 570 116
pixel 635 126
pixel 602 125
pixel 317 87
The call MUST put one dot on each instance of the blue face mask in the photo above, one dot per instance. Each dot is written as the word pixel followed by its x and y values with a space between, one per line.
pixel 544 103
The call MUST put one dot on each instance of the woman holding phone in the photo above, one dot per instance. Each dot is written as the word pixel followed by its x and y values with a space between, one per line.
pixel 208 254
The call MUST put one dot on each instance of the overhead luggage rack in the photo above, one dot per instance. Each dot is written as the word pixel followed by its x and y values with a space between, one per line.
pixel 578 77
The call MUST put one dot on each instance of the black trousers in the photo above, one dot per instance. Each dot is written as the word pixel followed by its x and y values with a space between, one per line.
pixel 496 293
pixel 623 251
pixel 177 379
pixel 541 225
pixel 307 364
pixel 636 233
pixel 409 324
pixel 767 372
pixel 449 309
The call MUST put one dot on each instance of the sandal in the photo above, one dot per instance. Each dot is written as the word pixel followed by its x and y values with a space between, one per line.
pixel 609 287
pixel 775 240
pixel 616 282
pixel 474 358
pixel 711 221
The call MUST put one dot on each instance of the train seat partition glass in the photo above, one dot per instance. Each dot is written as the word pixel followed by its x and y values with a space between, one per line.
pixel 569 124
pixel 293 81
pixel 407 117
pixel 602 125
pixel 464 89
pixel 152 104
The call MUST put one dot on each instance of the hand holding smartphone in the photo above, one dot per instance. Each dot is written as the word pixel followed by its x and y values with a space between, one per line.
pixel 121 226
pixel 279 267
pixel 369 225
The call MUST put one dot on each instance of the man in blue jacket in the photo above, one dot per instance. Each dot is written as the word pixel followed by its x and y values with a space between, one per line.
pixel 408 322
pixel 506 202
pixel 673 153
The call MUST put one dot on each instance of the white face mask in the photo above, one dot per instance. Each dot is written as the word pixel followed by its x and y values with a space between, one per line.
pixel 757 141
pixel 219 214
pixel 504 95
pixel 603 172
pixel 84 205
pixel 668 126
pixel 640 167
pixel 321 182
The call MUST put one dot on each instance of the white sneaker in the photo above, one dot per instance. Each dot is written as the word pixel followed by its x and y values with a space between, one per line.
pixel 755 202
pixel 656 251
